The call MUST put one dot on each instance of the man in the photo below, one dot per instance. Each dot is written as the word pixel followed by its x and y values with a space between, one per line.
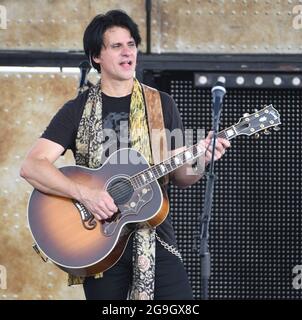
pixel 110 42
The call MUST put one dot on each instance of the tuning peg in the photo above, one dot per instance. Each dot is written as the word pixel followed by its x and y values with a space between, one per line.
pixel 257 135
pixel 246 115
pixel 266 132
pixel 277 128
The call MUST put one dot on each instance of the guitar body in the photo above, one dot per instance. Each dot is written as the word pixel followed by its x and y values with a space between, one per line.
pixel 69 235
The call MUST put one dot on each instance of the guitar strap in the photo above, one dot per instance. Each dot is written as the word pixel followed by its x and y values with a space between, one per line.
pixel 144 241
pixel 156 126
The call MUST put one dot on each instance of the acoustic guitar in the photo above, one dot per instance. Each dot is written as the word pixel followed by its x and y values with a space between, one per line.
pixel 69 235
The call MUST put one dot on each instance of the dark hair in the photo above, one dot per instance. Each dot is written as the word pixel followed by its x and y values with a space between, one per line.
pixel 93 39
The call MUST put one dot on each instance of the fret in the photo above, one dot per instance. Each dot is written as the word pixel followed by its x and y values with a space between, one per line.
pixel 176 160
pixel 188 155
pixel 228 133
pixel 162 168
pixel 165 167
pixel 157 171
pixel 169 165
pixel 143 177
pixel 173 164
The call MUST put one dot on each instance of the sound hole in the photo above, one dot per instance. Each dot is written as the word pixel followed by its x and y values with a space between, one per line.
pixel 120 190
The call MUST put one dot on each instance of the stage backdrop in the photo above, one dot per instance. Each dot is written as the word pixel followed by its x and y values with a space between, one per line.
pixel 197 26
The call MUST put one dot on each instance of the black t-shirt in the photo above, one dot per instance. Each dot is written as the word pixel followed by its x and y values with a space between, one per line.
pixel 63 130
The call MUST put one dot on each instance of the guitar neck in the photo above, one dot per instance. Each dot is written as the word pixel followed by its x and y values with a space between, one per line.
pixel 247 125
pixel 169 165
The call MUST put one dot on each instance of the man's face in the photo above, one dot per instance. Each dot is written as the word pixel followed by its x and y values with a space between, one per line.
pixel 118 55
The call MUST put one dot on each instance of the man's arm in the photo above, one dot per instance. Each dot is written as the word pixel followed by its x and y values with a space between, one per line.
pixel 39 171
pixel 185 176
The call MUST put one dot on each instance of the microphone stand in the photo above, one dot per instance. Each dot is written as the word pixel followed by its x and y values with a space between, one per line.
pixel 84 70
pixel 206 215
pixel 148 25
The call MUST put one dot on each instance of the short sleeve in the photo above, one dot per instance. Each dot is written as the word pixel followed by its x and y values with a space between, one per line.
pixel 63 127
pixel 173 122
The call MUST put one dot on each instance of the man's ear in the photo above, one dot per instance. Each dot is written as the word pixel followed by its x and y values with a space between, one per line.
pixel 97 59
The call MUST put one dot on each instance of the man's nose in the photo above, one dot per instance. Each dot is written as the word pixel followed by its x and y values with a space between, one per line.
pixel 126 51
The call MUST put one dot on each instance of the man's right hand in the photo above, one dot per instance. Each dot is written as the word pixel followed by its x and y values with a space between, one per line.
pixel 98 202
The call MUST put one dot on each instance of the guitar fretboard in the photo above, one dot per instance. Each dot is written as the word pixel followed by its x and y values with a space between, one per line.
pixel 159 170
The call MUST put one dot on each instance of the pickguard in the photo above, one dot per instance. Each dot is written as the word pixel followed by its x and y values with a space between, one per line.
pixel 130 211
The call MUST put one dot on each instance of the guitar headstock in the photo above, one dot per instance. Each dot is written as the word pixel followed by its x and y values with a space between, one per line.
pixel 263 119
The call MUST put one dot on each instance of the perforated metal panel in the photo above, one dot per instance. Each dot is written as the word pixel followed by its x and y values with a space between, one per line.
pixel 255 230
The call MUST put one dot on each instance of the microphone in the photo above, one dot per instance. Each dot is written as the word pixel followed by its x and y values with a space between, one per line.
pixel 84 69
pixel 218 92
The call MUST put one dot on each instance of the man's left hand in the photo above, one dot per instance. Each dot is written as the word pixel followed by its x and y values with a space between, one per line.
pixel 220 148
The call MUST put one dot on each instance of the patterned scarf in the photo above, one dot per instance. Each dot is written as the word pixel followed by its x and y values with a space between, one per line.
pixel 89 148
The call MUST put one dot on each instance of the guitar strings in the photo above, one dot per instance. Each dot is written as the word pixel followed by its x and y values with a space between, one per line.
pixel 135 179
pixel 155 170
pixel 122 189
